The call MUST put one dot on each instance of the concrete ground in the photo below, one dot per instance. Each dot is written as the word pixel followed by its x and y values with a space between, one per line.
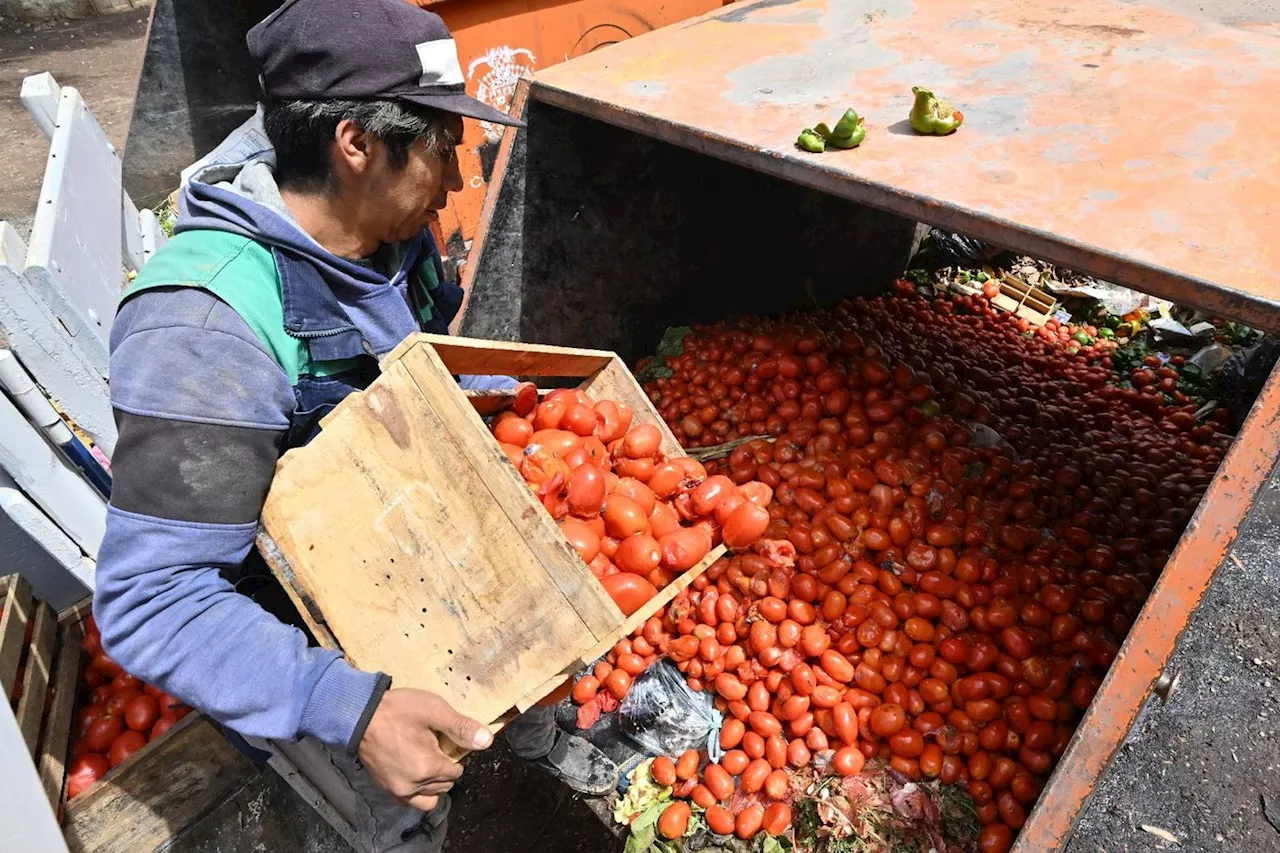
pixel 99 56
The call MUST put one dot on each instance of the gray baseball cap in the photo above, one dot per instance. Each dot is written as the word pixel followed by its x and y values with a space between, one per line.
pixel 364 49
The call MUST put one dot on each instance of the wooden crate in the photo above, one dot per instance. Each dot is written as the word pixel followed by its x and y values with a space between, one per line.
pixel 46 651
pixel 410 542
pixel 142 803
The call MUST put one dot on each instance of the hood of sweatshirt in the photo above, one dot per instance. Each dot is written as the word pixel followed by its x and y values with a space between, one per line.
pixel 329 292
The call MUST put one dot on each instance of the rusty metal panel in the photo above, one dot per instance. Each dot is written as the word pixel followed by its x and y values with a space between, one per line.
pixel 501 40
pixel 1123 140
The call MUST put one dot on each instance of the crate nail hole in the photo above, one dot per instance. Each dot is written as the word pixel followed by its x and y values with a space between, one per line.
pixel 468 678
pixel 450 651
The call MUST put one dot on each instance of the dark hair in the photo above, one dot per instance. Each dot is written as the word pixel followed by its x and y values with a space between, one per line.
pixel 301 133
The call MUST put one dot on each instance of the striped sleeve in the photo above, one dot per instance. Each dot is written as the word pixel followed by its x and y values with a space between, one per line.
pixel 203 410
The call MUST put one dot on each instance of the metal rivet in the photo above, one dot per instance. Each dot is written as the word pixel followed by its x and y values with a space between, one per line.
pixel 1165 685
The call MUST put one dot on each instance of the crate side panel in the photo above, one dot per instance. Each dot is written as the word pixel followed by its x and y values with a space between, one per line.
pixel 13 627
pixel 35 683
pixel 541 535
pixel 615 382
pixel 52 762
pixel 174 782
pixel 418 572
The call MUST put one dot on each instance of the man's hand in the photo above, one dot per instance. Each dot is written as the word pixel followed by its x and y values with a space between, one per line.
pixel 401 750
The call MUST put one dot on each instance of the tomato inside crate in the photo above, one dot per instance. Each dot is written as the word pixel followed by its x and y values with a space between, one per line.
pixel 116 716
pixel 965 518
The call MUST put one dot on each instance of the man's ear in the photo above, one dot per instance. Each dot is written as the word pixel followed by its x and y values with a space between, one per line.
pixel 353 145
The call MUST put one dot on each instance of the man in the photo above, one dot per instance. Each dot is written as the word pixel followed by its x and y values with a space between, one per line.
pixel 289 275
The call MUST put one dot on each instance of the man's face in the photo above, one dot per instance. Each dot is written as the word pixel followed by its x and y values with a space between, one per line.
pixel 400 202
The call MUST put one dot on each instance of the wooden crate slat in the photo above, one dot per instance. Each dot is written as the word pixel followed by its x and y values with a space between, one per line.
pixel 653 605
pixel 178 779
pixel 615 382
pixel 35 683
pixel 54 740
pixel 468 356
pixel 508 490
pixel 417 530
pixel 13 629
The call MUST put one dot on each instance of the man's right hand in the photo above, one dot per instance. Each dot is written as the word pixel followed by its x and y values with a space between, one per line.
pixel 401 748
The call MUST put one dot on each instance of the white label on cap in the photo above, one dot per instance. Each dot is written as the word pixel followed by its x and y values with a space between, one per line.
pixel 440 65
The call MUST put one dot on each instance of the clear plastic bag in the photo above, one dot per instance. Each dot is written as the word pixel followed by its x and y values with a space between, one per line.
pixel 662 715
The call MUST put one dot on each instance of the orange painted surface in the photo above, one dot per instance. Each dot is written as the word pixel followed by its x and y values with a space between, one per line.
pixel 1119 139
pixel 498 40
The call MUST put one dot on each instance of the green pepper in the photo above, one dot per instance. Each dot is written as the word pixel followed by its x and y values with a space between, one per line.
pixel 933 116
pixel 848 132
pixel 1082 338
pixel 1106 333
pixel 811 141
pixel 1112 321
pixel 822 130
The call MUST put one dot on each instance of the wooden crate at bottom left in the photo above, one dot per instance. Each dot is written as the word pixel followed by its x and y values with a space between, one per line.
pixel 139 805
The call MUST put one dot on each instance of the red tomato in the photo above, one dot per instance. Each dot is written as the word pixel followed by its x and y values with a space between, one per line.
pixel 141 713
pixel 102 731
pixel 124 746
pixel 628 591
pixel 84 772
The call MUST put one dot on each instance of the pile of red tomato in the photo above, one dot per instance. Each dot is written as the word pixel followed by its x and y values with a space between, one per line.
pixel 119 715
pixel 951 608
pixel 638 519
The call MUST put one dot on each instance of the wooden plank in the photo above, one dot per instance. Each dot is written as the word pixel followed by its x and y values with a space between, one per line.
pixel 306 767
pixel 54 740
pixel 76 614
pixel 306 607
pixel 47 349
pixel 507 487
pixel 502 358
pixel 417 569
pixel 180 777
pixel 40 93
pixel 15 504
pixel 653 605
pixel 133 253
pixel 18 611
pixel 615 382
pixel 74 256
pixel 53 483
pixel 35 683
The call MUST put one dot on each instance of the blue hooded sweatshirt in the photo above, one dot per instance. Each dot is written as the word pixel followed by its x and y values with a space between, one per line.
pixel 233 342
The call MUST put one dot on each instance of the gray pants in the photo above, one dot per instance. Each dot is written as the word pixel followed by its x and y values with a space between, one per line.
pixel 377 822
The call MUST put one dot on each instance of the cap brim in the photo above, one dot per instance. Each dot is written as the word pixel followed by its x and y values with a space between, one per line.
pixel 461 104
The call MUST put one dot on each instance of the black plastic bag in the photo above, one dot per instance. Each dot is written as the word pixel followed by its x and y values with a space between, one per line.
pixel 1241 379
pixel 941 249
pixel 661 713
